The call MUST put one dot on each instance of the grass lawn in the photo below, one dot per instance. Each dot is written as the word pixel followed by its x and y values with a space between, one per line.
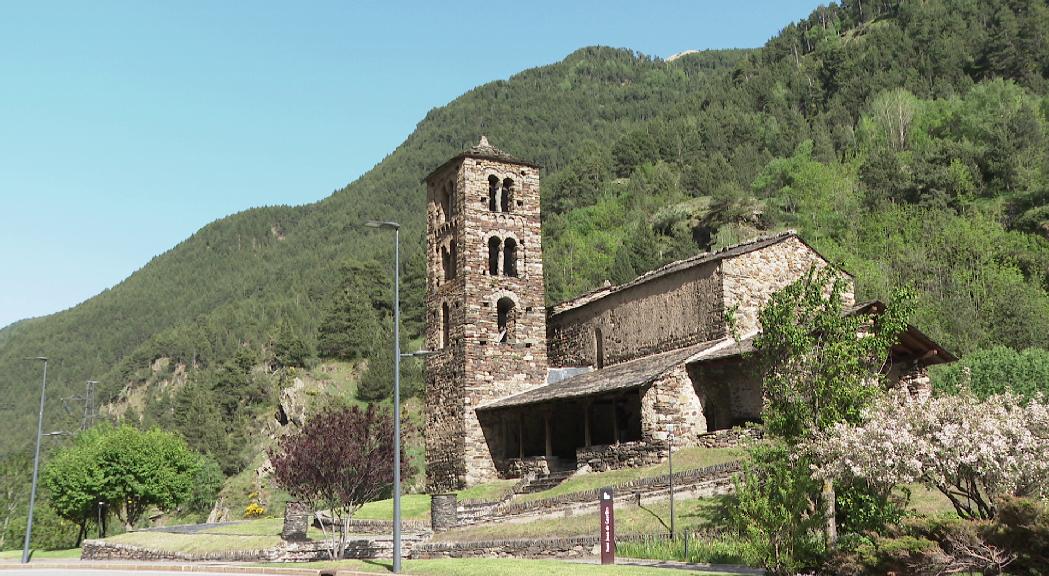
pixel 488 566
pixel 630 519
pixel 195 543
pixel 684 459
pixel 417 506
pixel 40 554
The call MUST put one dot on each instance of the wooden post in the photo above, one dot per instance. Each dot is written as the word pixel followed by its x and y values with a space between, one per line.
pixel 586 423
pixel 549 440
pixel 615 424
pixel 520 435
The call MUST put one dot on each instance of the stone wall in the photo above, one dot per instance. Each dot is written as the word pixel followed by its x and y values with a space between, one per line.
pixel 672 399
pixel 531 548
pixel 473 367
pixel 296 521
pixel 730 392
pixel 749 279
pixel 672 311
pixel 622 455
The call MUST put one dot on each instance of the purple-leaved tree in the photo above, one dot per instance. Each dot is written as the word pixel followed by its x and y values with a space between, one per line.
pixel 341 459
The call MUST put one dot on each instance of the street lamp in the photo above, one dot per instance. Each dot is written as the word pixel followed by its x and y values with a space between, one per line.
pixel 396 386
pixel 670 463
pixel 36 462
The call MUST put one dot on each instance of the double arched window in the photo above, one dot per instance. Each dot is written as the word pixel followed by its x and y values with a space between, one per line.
pixel 500 194
pixel 502 252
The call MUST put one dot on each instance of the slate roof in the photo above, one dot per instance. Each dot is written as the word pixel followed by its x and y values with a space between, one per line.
pixel 484 151
pixel 624 376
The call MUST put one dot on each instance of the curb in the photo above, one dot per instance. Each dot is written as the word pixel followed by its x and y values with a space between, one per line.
pixel 188 568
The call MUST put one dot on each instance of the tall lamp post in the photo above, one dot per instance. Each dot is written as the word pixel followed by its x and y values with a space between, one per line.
pixel 36 461
pixel 396 386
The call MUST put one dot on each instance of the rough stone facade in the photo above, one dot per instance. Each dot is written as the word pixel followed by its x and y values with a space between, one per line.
pixel 443 512
pixel 672 311
pixel 672 400
pixel 486 309
pixel 749 279
pixel 296 521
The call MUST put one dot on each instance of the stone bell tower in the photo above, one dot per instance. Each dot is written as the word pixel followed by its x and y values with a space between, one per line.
pixel 486 314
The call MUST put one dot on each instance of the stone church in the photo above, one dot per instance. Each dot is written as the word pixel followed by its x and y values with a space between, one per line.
pixel 516 387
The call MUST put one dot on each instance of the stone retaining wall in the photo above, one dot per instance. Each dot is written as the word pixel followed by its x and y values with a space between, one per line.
pixel 731 438
pixel 622 455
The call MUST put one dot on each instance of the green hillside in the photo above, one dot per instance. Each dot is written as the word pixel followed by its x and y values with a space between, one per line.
pixel 907 140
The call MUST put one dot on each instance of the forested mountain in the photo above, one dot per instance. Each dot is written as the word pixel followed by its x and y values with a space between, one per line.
pixel 906 140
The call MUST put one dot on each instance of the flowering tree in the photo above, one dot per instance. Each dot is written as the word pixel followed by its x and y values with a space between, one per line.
pixel 974 452
pixel 340 459
pixel 822 365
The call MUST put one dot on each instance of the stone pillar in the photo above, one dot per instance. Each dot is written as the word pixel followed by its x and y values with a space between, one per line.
pixel 296 521
pixel 443 512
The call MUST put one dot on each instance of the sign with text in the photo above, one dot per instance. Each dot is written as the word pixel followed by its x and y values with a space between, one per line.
pixel 608 528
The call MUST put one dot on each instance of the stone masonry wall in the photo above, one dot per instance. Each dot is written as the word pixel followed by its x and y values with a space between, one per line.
pixel 474 368
pixel 672 399
pixel 673 311
pixel 751 278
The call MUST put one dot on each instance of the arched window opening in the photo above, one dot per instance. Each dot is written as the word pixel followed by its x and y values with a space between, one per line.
pixel 507 196
pixel 510 257
pixel 445 325
pixel 506 320
pixel 599 349
pixel 453 257
pixel 446 263
pixel 444 203
pixel 493 193
pixel 493 256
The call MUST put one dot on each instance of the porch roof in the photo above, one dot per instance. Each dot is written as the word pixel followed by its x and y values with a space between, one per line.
pixel 623 376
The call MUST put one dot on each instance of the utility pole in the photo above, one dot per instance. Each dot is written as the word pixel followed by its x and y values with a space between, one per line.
pixel 89 405
pixel 36 462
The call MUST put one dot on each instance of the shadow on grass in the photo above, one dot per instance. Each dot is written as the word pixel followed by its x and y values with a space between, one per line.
pixel 387 565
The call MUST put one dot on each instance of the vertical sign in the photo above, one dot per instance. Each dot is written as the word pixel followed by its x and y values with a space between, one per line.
pixel 608 528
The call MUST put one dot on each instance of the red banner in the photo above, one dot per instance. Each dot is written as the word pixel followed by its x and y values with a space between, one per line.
pixel 608 528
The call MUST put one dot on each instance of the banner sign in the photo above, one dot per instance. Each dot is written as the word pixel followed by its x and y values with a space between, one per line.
pixel 608 528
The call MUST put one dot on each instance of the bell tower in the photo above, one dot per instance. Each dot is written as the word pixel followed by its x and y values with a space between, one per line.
pixel 486 313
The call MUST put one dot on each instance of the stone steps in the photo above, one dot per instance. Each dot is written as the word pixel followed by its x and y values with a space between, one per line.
pixel 544 483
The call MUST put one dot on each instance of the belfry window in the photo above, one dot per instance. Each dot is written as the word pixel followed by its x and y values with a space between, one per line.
pixel 510 257
pixel 493 256
pixel 506 198
pixel 445 325
pixel 506 320
pixel 453 254
pixel 446 263
pixel 444 202
pixel 493 193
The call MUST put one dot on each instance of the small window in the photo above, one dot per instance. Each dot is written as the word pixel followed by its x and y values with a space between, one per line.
pixel 445 325
pixel 493 193
pixel 510 257
pixel 453 256
pixel 507 197
pixel 493 256
pixel 599 349
pixel 446 263
pixel 506 320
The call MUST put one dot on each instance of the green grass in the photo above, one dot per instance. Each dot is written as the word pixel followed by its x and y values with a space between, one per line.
pixel 722 550
pixel 630 519
pixel 196 543
pixel 927 502
pixel 41 554
pixel 489 566
pixel 684 459
pixel 487 491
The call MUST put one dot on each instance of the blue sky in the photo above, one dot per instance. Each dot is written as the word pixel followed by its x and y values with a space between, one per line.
pixel 126 126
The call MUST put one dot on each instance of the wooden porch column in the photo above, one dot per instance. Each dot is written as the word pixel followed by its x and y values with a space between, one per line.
pixel 549 440
pixel 520 435
pixel 615 424
pixel 586 423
